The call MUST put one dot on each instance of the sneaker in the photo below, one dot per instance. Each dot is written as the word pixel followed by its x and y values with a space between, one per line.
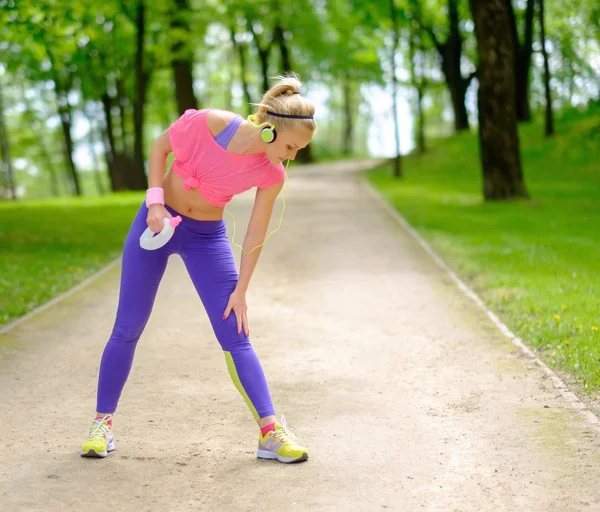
pixel 281 444
pixel 101 439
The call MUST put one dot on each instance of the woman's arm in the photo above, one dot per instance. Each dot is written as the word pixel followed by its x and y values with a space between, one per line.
pixel 257 230
pixel 157 166
pixel 157 161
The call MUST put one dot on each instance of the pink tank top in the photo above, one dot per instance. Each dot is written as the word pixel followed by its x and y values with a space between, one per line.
pixel 218 174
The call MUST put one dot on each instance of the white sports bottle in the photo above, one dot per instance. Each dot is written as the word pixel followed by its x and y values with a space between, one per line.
pixel 150 242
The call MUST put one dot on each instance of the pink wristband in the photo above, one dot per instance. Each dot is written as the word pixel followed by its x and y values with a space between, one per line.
pixel 155 195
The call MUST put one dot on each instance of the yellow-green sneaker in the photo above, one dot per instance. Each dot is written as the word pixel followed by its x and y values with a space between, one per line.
pixel 281 444
pixel 101 440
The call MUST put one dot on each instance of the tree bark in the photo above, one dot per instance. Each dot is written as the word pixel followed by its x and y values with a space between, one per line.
pixel 240 49
pixel 109 149
pixel 451 65
pixel 137 178
pixel 499 142
pixel 183 62
pixel 263 55
pixel 395 37
pixel 44 152
pixel 522 59
pixel 92 140
pixel 347 142
pixel 421 148
pixel 418 83
pixel 122 101
pixel 7 168
pixel 306 155
pixel 64 112
pixel 118 165
pixel 278 36
pixel 549 128
pixel 450 52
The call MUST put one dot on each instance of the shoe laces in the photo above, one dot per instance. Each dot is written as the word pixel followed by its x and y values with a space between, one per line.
pixel 283 433
pixel 100 428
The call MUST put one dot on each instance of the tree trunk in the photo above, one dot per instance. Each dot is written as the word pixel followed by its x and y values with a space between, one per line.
pixel 54 189
pixel 137 178
pixel 395 37
pixel 229 78
pixel 549 128
pixel 264 66
pixel 64 112
pixel 278 35
pixel 183 62
pixel 116 172
pixel 122 101
pixel 240 49
pixel 572 72
pixel 45 154
pixel 420 122
pixel 451 66
pixel 306 155
pixel 93 140
pixel 347 144
pixel 450 53
pixel 417 83
pixel 63 108
pixel 7 168
pixel 263 55
pixel 499 142
pixel 458 91
pixel 522 59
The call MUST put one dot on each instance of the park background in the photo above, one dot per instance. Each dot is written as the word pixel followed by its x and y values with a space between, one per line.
pixel 485 115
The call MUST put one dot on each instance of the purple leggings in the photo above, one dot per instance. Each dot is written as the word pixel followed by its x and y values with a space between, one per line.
pixel 205 250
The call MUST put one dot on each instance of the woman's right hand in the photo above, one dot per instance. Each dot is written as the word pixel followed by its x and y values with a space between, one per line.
pixel 156 215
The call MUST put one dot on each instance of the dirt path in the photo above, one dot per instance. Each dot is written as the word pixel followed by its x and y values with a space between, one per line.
pixel 406 394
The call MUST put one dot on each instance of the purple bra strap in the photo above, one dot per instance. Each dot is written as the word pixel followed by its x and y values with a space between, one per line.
pixel 224 137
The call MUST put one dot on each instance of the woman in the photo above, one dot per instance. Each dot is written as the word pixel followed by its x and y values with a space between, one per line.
pixel 217 155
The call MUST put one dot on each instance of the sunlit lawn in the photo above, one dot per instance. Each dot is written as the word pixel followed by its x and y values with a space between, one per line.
pixel 48 246
pixel 535 262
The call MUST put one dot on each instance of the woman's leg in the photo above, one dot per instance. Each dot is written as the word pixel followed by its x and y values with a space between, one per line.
pixel 211 265
pixel 141 273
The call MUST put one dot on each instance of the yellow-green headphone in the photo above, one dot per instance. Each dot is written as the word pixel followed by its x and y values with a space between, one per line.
pixel 272 232
pixel 267 132
pixel 268 135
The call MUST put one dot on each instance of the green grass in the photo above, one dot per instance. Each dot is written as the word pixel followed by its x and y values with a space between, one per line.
pixel 534 262
pixel 46 247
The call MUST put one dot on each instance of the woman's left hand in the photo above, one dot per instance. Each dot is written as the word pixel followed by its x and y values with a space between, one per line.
pixel 237 303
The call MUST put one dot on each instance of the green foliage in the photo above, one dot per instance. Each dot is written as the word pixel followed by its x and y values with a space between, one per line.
pixel 574 45
pixel 88 50
pixel 533 262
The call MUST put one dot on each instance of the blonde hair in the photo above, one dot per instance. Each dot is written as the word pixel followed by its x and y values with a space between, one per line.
pixel 284 98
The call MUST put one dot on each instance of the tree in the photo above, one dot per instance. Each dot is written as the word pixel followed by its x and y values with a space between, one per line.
pixel 7 168
pixel 395 41
pixel 349 54
pixel 263 48
pixel 522 58
pixel 451 57
pixel 549 126
pixel 416 63
pixel 498 137
pixel 183 57
pixel 240 49
pixel 142 77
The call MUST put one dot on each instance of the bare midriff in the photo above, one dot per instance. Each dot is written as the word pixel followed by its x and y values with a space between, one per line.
pixel 189 203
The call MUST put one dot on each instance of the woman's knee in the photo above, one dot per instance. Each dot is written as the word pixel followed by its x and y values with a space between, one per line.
pixel 127 333
pixel 227 334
